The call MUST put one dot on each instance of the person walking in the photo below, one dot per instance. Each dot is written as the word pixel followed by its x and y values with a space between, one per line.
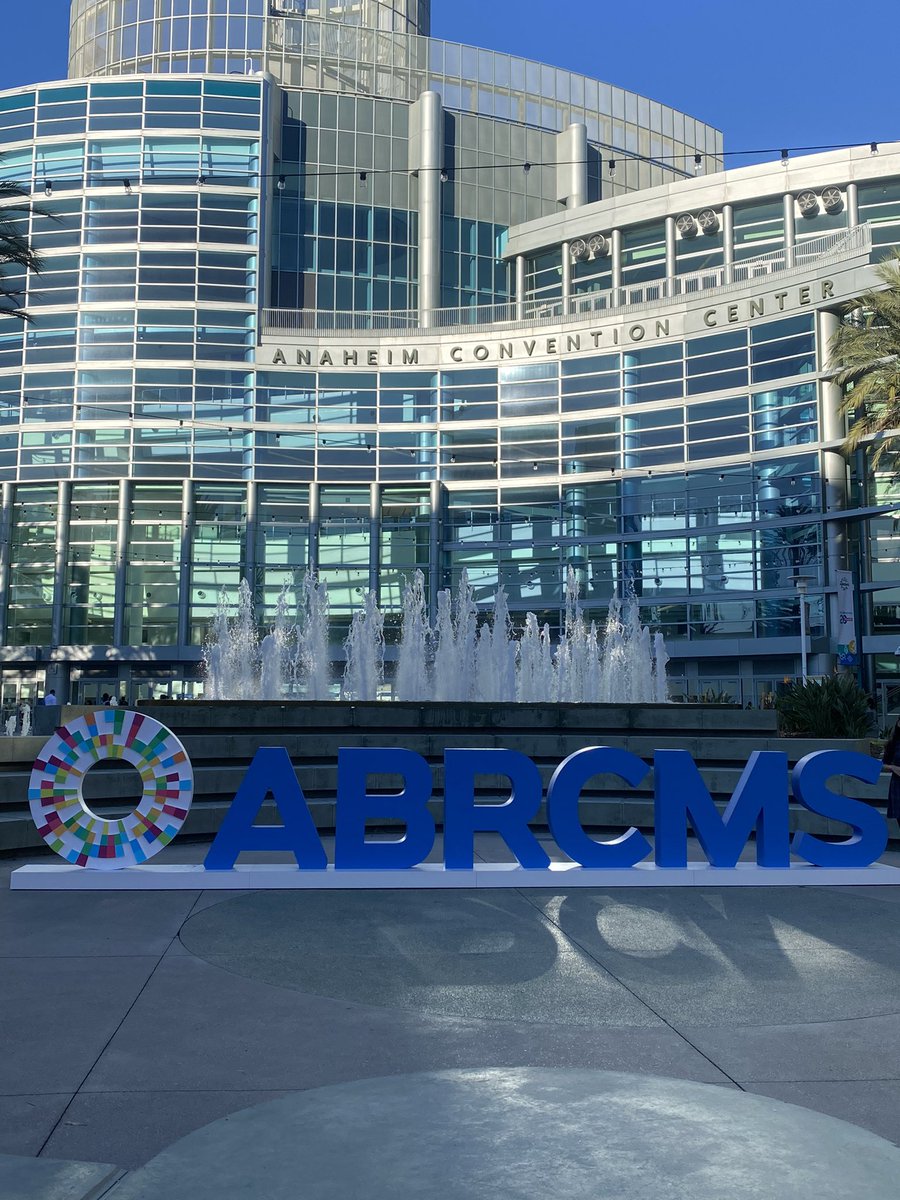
pixel 891 760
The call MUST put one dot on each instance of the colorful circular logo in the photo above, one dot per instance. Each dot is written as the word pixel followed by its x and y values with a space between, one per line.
pixel 66 823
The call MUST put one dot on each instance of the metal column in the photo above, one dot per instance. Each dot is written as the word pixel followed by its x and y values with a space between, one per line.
pixel 834 468
pixel 313 549
pixel 6 529
pixel 125 492
pixel 184 567
pixel 521 284
pixel 426 148
pixel 632 550
pixel 251 529
pixel 374 539
pixel 728 241
pixel 571 166
pixel 616 261
pixel 852 205
pixel 434 549
pixel 790 233
pixel 64 503
pixel 566 277
pixel 671 264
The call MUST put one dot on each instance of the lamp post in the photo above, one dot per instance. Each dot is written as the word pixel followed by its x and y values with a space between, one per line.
pixel 802 585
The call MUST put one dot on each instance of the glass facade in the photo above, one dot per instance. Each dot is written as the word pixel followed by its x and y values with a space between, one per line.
pixel 213 387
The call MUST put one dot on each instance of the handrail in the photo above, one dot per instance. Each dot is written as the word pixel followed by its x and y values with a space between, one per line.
pixel 535 313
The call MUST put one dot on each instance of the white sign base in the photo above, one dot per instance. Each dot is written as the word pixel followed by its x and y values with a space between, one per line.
pixel 52 877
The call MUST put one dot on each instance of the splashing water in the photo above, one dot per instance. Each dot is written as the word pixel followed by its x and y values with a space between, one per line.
pixel 364 673
pixel 456 659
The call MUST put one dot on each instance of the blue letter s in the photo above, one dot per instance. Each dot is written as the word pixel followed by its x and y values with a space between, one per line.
pixel 870 832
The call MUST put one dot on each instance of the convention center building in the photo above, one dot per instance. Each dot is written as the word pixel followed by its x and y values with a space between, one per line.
pixel 323 292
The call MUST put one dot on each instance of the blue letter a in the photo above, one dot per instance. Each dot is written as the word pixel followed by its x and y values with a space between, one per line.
pixel 270 774
pixel 760 800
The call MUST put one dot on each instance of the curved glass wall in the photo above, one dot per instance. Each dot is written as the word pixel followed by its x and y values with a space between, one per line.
pixel 650 142
pixel 394 16
pixel 122 36
pixel 374 48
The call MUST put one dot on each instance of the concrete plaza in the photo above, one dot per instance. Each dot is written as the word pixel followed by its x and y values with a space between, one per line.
pixel 132 1020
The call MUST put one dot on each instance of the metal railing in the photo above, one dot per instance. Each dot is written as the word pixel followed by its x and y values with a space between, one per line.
pixel 840 244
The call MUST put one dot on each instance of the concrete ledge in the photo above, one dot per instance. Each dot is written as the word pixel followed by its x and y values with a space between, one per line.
pixel 193 877
pixel 54 1179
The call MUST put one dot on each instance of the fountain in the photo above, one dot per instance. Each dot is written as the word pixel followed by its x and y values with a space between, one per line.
pixel 456 659
pixel 364 646
pixel 24 714
pixel 412 682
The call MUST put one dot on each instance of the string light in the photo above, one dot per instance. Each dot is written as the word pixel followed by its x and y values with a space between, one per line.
pixel 694 157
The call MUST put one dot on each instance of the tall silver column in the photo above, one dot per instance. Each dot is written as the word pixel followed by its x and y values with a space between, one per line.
pixel 790 232
pixel 426 159
pixel 834 467
pixel 566 265
pixel 852 205
pixel 251 529
pixel 616 260
pixel 6 513
pixel 571 166
pixel 184 571
pixel 521 284
pixel 434 550
pixel 64 506
pixel 671 263
pixel 125 491
pixel 313 551
pixel 728 241
pixel 374 538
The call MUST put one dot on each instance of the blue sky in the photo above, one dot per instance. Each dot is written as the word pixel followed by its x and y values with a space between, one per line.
pixel 769 73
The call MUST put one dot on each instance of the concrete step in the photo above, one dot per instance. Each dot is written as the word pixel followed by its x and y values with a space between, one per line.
pixel 54 1179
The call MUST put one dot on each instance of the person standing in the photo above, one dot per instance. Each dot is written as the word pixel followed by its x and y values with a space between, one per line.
pixel 891 760
pixel 50 697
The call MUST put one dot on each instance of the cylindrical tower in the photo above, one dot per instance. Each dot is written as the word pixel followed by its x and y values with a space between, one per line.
pixel 116 37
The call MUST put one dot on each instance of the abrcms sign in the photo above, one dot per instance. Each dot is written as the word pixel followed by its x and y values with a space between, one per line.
pixel 759 805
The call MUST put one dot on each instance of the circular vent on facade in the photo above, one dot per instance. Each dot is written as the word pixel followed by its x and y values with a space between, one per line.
pixel 578 249
pixel 808 203
pixel 832 200
pixel 598 246
pixel 686 225
pixel 708 220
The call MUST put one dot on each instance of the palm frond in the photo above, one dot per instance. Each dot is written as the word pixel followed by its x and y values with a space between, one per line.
pixel 16 207
pixel 865 357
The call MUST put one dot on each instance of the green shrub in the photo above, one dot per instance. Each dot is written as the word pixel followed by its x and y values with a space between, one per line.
pixel 834 707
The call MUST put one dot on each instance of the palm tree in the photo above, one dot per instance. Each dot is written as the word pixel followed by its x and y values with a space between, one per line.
pixel 866 352
pixel 15 249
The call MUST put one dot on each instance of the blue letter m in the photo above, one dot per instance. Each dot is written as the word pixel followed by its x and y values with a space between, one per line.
pixel 760 801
